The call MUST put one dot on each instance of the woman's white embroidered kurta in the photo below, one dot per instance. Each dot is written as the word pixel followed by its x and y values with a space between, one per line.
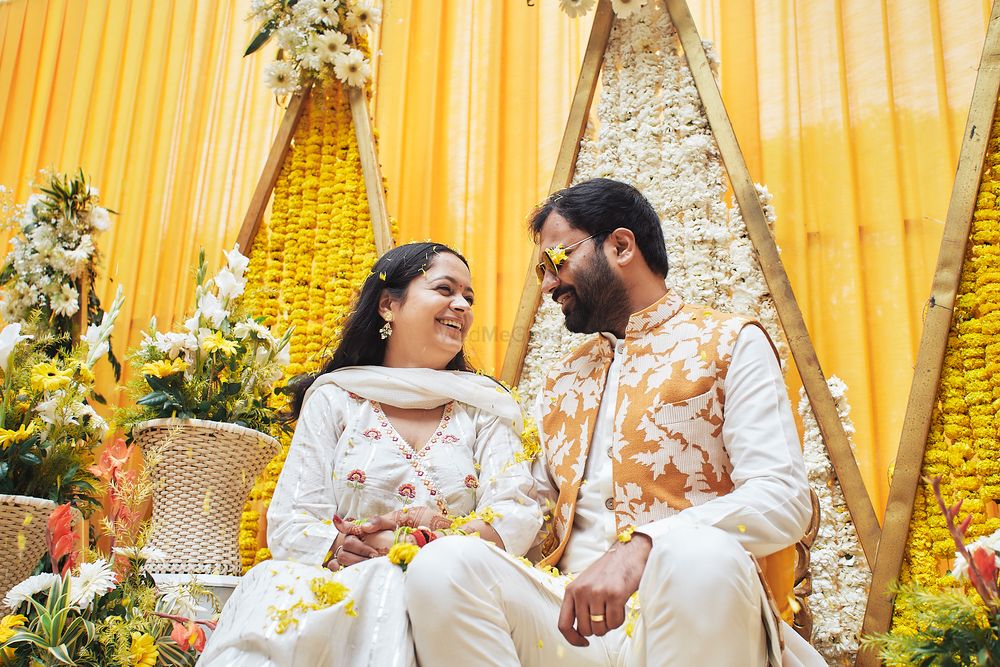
pixel 347 459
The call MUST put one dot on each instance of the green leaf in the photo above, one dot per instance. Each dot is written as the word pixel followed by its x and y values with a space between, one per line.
pixel 61 653
pixel 262 37
pixel 30 457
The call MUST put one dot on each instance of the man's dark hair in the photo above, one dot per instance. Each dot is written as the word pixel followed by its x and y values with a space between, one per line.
pixel 600 206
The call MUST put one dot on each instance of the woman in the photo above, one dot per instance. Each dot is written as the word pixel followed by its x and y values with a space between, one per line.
pixel 395 431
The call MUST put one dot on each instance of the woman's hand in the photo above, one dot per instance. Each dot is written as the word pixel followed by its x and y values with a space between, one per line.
pixel 421 517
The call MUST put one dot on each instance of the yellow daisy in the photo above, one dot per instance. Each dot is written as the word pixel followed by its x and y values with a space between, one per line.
pixel 219 342
pixel 143 652
pixel 164 368
pixel 9 437
pixel 46 376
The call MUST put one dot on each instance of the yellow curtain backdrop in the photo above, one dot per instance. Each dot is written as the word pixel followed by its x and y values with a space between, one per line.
pixel 154 102
pixel 851 112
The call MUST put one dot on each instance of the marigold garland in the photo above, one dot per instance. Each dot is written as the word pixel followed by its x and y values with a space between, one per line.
pixel 309 258
pixel 963 445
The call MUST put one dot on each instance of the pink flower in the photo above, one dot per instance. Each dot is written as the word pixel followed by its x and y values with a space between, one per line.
pixel 471 481
pixel 450 439
pixel 373 433
pixel 407 490
pixel 356 476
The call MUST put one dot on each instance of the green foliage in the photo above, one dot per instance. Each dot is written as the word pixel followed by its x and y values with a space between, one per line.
pixel 954 630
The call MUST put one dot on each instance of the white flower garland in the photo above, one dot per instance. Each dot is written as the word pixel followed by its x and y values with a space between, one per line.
pixel 840 575
pixel 653 133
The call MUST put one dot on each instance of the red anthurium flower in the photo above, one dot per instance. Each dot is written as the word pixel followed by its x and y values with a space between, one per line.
pixel 61 540
pixel 986 562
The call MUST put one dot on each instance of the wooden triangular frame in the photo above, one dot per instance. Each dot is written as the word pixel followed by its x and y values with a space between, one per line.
pixel 934 340
pixel 855 494
pixel 279 150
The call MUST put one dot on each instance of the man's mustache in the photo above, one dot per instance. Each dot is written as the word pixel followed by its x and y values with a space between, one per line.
pixel 557 293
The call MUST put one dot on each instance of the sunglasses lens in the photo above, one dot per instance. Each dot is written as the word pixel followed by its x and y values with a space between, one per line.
pixel 540 272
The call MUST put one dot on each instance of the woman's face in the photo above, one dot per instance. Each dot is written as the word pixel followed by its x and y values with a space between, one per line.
pixel 430 323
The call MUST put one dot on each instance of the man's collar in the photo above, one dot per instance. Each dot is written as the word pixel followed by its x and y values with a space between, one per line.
pixel 653 315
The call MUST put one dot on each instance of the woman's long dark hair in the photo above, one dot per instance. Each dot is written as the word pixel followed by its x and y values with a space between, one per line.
pixel 361 344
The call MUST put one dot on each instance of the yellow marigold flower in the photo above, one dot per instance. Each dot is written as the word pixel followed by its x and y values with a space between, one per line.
pixel 9 437
pixel 327 591
pixel 219 342
pixel 9 624
pixel 557 254
pixel 143 651
pixel 402 553
pixel 626 534
pixel 46 376
pixel 164 368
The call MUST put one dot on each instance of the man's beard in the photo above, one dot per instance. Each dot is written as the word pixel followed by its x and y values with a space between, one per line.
pixel 600 300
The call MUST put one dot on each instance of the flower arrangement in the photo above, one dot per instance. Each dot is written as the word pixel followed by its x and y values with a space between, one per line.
pixel 54 256
pixel 222 366
pixel 104 611
pixel 952 627
pixel 309 257
pixel 963 444
pixel 316 38
pixel 47 427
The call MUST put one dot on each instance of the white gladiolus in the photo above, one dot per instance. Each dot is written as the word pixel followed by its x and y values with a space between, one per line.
pixel 9 339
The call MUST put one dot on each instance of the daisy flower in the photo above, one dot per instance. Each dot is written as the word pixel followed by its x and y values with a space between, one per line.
pixel 626 8
pixel 281 78
pixel 93 580
pixel 352 68
pixel 29 588
pixel 576 8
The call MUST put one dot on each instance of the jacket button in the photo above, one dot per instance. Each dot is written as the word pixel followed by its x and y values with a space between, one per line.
pixel 610 503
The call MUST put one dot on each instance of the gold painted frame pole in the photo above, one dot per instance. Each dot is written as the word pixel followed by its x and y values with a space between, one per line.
pixel 371 169
pixel 934 340
pixel 269 176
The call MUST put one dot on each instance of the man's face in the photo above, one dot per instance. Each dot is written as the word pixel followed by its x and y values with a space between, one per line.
pixel 592 296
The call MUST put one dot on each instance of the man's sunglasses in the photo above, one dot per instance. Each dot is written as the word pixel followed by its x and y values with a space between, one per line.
pixel 553 258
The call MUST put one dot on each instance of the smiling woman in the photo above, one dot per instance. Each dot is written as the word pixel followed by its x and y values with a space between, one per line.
pixel 396 444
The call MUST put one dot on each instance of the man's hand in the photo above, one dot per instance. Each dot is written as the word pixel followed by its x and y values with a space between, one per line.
pixel 594 603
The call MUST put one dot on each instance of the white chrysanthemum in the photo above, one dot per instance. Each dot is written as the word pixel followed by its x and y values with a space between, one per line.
pixel 29 588
pixel 626 8
pixel 325 12
pixel 289 38
pixel 141 553
pixel 92 581
pixel 99 218
pixel 362 15
pixel 332 43
pixel 281 77
pixel 576 8
pixel 66 302
pixel 352 68
pixel 312 56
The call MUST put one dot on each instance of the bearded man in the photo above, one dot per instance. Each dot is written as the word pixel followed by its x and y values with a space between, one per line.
pixel 671 472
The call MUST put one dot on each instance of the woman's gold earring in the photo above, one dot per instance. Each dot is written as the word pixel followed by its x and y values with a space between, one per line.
pixel 386 330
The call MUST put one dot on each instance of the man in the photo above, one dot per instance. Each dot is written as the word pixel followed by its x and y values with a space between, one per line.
pixel 670 465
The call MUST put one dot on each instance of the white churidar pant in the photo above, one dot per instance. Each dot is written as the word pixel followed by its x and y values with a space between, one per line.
pixel 700 600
